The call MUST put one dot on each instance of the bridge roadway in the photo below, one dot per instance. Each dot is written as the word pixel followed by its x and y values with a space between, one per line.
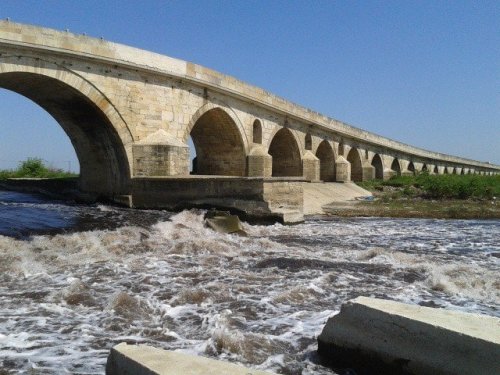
pixel 129 114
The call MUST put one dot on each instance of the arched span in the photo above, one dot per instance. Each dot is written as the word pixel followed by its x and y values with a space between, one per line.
pixel 396 167
pixel 424 168
pixel 379 167
pixel 436 169
pixel 219 146
pixel 354 158
pixel 286 154
pixel 229 113
pixel 326 161
pixel 99 135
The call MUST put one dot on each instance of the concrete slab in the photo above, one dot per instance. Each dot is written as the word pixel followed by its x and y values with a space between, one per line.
pixel 406 339
pixel 317 195
pixel 127 359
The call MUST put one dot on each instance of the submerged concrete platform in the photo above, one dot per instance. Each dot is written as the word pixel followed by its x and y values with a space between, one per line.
pixel 398 338
pixel 127 359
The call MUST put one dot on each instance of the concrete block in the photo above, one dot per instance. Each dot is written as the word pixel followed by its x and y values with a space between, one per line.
pixel 127 359
pixel 398 338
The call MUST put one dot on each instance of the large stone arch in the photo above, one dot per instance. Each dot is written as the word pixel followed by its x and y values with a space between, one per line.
pixel 354 158
pixel 285 151
pixel 220 147
pixel 99 134
pixel 378 164
pixel 326 158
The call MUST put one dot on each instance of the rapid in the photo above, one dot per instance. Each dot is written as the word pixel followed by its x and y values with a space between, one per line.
pixel 75 280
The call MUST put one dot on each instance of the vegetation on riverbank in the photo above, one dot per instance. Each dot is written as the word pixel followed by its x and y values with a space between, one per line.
pixel 427 186
pixel 34 168
pixel 428 196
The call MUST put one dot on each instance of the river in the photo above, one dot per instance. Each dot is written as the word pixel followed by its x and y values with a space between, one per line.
pixel 77 279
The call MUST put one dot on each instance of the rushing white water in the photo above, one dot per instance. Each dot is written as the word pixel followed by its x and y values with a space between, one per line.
pixel 259 300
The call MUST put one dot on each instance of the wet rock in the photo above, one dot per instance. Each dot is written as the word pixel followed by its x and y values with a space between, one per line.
pixel 127 306
pixel 78 294
pixel 224 222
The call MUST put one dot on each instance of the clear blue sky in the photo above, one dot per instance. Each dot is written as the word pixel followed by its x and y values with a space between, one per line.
pixel 425 73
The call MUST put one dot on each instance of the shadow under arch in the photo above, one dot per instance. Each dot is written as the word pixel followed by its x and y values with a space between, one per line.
pixel 286 156
pixel 354 158
pixel 104 166
pixel 220 149
pixel 326 158
pixel 379 167
pixel 396 167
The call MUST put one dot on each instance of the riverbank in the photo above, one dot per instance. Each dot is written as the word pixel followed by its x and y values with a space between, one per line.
pixel 425 196
pixel 416 208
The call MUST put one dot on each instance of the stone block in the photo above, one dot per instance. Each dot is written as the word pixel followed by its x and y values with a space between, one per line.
pixel 145 360
pixel 396 338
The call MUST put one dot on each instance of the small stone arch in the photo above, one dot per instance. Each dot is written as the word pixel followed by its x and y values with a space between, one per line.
pixel 257 131
pixel 454 171
pixel 326 158
pixel 285 151
pixel 396 166
pixel 356 165
pixel 462 172
pixel 436 169
pixel 220 149
pixel 378 164
pixel 308 142
pixel 424 168
pixel 341 149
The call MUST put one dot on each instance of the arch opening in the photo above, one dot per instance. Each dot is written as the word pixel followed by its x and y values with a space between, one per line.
pixel 411 167
pixel 436 170
pixel 257 132
pixel 308 142
pixel 286 155
pixel 379 167
pixel 356 166
pixel 218 145
pixel 396 167
pixel 424 168
pixel 341 149
pixel 326 161
pixel 104 166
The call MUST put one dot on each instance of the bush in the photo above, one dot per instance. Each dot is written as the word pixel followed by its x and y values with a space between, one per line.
pixel 443 186
pixel 34 168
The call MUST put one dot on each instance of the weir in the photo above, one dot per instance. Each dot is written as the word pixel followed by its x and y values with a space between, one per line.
pixel 129 114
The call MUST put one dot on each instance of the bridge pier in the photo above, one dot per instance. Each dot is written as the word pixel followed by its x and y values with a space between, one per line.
pixel 160 155
pixel 368 171
pixel 259 162
pixel 310 166
pixel 343 170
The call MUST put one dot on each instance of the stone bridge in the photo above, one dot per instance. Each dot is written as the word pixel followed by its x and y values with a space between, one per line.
pixel 130 114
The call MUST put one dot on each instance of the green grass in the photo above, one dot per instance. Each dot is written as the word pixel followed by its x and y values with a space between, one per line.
pixel 440 186
pixel 34 168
